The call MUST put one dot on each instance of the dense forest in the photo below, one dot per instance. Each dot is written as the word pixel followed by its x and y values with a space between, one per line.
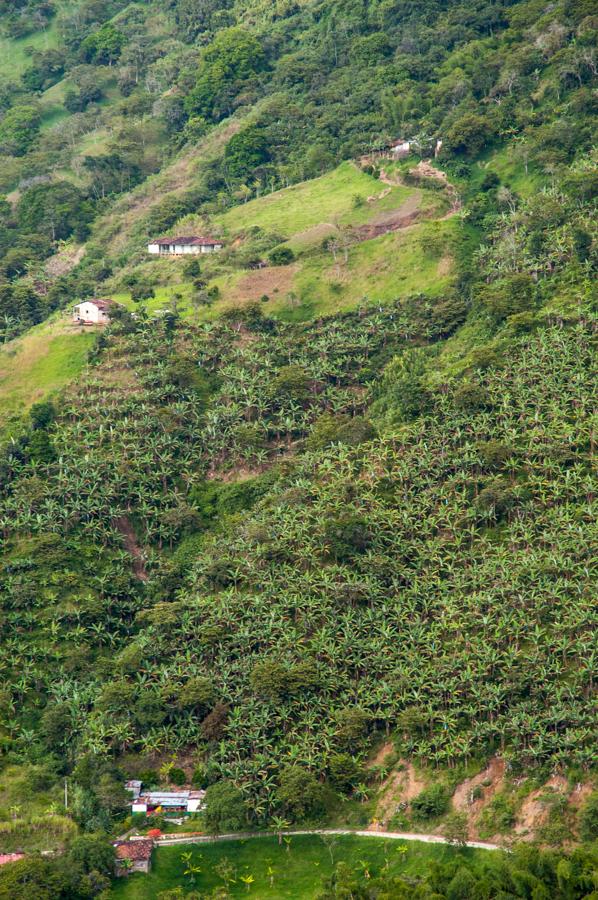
pixel 251 544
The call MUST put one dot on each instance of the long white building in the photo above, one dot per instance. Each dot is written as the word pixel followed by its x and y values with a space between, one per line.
pixel 183 246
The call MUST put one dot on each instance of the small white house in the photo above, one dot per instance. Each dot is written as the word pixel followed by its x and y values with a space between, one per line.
pixel 92 312
pixel 401 148
pixel 183 246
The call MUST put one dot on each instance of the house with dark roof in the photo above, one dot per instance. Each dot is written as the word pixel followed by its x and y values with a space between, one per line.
pixel 183 246
pixel 134 855
pixel 93 312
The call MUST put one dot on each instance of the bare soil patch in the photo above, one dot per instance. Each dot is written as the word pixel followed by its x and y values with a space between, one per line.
pixel 64 261
pixel 381 754
pixel 532 814
pixel 580 794
pixel 239 473
pixel 486 784
pixel 399 789
pixel 125 527
pixel 406 214
pixel 425 169
pixel 271 280
pixel 445 265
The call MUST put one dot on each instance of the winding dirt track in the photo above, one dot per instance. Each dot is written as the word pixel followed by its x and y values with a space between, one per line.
pixel 167 840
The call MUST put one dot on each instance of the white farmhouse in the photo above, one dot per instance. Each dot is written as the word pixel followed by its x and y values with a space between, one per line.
pixel 92 312
pixel 401 148
pixel 183 246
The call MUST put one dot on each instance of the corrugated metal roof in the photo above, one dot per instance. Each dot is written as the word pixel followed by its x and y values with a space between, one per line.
pixel 166 798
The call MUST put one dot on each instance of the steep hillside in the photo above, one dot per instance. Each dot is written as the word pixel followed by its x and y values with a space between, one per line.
pixel 318 247
pixel 38 364
pixel 311 524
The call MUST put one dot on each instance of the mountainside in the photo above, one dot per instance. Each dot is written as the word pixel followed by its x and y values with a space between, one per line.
pixel 311 523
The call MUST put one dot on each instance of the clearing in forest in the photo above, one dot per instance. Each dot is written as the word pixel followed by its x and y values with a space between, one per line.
pixel 40 362
pixel 354 238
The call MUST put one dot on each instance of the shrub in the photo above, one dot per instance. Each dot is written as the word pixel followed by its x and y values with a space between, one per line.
pixel 346 535
pixel 471 397
pixel 496 499
pixel 345 771
pixel 197 693
pixel 281 256
pixel 291 383
pixel 213 726
pixel 455 828
pixel 353 724
pixel 225 809
pixel 299 793
pixel 331 429
pixel 493 454
pixel 269 679
pixel 499 815
pixel 468 135
pixel 463 885
pixel 431 802
pixel 177 776
pixel 509 296
pixel 404 391
pixel 588 818
pixel 199 779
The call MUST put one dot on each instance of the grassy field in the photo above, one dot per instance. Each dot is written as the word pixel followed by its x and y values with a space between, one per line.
pixel 332 198
pixel 278 873
pixel 411 261
pixel 39 363
pixel 414 260
pixel 30 818
pixel 14 52
pixel 415 257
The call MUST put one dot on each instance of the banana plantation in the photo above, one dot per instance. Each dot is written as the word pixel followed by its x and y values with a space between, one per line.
pixel 226 541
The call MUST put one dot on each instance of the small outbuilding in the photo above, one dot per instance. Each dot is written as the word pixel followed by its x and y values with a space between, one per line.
pixel 134 787
pixel 183 246
pixel 401 148
pixel 92 312
pixel 134 855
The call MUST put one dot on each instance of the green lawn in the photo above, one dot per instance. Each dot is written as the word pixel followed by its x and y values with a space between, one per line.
pixel 394 265
pixel 510 168
pixel 411 261
pixel 14 52
pixel 39 363
pixel 415 260
pixel 297 873
pixel 165 296
pixel 328 199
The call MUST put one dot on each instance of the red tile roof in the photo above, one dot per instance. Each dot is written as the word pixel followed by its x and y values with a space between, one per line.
pixel 135 850
pixel 100 302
